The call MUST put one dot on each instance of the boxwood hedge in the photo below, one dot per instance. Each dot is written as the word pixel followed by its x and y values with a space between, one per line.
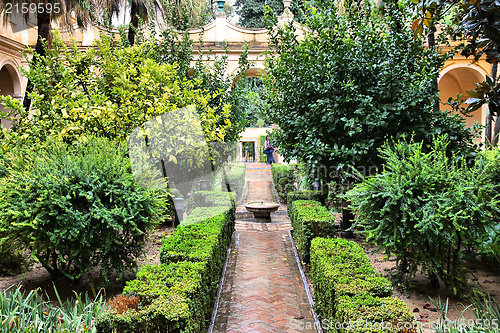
pixel 350 294
pixel 309 220
pixel 178 294
pixel 210 199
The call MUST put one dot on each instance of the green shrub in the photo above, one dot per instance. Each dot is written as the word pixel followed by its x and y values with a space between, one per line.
pixel 350 295
pixel 76 207
pixel 310 220
pixel 304 195
pixel 235 176
pixel 178 294
pixel 368 313
pixel 284 180
pixel 424 207
pixel 32 312
pixel 210 199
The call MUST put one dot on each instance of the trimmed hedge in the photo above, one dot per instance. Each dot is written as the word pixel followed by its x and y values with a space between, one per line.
pixel 350 294
pixel 235 177
pixel 210 199
pixel 178 294
pixel 310 220
pixel 284 180
pixel 305 195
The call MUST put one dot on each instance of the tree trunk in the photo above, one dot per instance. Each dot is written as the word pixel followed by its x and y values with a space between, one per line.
pixel 431 41
pixel 43 22
pixel 134 22
pixel 494 69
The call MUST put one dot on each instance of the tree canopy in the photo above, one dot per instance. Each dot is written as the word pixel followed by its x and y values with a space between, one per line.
pixel 357 79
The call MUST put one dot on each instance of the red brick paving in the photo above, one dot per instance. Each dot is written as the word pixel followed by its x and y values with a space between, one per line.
pixel 262 290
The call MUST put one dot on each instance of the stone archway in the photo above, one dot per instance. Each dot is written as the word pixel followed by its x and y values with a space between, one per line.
pixel 457 80
pixel 10 84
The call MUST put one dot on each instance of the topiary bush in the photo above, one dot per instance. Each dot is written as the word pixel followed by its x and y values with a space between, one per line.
pixel 284 180
pixel 424 208
pixel 304 195
pixel 309 220
pixel 350 296
pixel 76 207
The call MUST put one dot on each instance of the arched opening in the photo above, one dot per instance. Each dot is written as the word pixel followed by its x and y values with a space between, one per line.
pixel 9 85
pixel 457 81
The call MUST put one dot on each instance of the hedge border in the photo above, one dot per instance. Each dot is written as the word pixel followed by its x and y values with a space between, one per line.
pixel 350 294
pixel 178 294
pixel 310 220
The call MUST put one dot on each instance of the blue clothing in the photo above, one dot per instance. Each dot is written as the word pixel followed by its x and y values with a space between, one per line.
pixel 270 157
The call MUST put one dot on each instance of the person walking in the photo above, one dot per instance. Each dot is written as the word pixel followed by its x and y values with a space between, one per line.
pixel 269 150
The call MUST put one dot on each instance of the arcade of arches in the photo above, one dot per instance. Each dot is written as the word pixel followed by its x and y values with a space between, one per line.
pixel 457 76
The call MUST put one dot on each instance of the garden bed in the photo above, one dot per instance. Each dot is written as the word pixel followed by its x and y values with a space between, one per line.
pixel 488 278
pixel 38 277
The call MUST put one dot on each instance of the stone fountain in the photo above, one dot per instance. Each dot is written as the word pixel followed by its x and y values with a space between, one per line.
pixel 262 210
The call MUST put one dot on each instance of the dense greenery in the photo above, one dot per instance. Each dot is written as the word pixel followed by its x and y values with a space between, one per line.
pixel 350 295
pixel 283 179
pixel 356 80
pixel 425 208
pixel 76 207
pixel 105 91
pixel 252 12
pixel 32 312
pixel 177 295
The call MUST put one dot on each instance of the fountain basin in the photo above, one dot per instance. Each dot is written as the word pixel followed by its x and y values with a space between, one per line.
pixel 262 210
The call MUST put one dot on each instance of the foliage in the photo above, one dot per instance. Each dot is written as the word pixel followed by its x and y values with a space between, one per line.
pixel 105 91
pixel 252 101
pixel 262 156
pixel 283 179
pixel 235 177
pixel 76 207
pixel 251 12
pixel 310 220
pixel 209 199
pixel 480 25
pixel 348 290
pixel 209 74
pixel 487 92
pixel 31 312
pixel 424 208
pixel 337 77
pixel 177 295
pixel 482 315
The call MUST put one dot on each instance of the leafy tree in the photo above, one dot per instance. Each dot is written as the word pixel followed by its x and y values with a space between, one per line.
pixel 251 12
pixel 357 80
pixel 480 25
pixel 105 91
pixel 336 99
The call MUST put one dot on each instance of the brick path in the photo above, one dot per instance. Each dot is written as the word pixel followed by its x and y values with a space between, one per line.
pixel 262 290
